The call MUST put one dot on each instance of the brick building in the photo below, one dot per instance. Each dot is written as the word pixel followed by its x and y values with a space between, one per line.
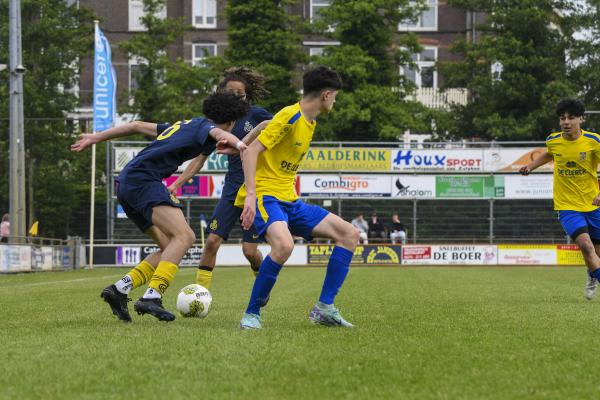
pixel 436 29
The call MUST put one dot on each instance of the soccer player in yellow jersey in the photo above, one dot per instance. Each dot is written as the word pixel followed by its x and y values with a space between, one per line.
pixel 270 166
pixel 576 154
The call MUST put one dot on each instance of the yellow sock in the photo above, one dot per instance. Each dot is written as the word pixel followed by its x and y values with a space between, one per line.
pixel 141 274
pixel 204 277
pixel 163 276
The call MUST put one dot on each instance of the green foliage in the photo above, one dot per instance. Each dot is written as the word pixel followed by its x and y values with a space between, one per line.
pixel 264 37
pixel 54 37
pixel 530 39
pixel 168 90
pixel 375 101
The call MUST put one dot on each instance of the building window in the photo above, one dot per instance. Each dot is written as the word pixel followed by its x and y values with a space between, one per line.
pixel 201 51
pixel 136 11
pixel 425 75
pixel 134 73
pixel 317 48
pixel 316 6
pixel 427 21
pixel 204 13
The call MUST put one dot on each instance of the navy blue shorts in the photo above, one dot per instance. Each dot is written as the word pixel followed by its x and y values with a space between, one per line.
pixel 138 200
pixel 224 218
pixel 577 222
pixel 300 217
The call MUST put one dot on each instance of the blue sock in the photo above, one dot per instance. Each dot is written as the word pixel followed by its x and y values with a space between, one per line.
pixel 337 269
pixel 265 280
pixel 595 274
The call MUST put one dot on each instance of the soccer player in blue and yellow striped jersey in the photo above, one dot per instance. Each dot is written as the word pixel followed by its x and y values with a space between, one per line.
pixel 576 154
pixel 270 166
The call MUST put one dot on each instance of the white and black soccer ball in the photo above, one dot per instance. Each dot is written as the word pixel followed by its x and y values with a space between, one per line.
pixel 194 301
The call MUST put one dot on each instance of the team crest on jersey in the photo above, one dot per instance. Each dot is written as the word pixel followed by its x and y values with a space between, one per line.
pixel 174 199
pixel 287 129
pixel 582 156
pixel 248 127
pixel 571 164
pixel 214 225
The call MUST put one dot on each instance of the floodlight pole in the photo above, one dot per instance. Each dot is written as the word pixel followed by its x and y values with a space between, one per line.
pixel 17 138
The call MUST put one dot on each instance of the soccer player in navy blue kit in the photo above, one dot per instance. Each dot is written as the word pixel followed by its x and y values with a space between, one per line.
pixel 148 203
pixel 249 85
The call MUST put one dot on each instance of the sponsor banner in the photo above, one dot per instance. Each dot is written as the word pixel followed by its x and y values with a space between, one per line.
pixel 569 254
pixel 19 258
pixel 535 186
pixel 437 160
pixel 450 255
pixel 512 159
pixel 47 253
pixel 364 254
pixel 469 186
pixel 346 185
pixel 413 187
pixel 527 254
pixel 4 258
pixel 122 155
pixel 347 159
pixel 190 259
pixel 199 186
pixel 126 255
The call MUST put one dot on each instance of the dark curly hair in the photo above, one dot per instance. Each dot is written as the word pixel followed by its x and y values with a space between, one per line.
pixel 573 107
pixel 223 108
pixel 253 81
pixel 319 79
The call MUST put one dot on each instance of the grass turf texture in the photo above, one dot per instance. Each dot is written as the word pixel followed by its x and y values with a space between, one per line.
pixel 422 333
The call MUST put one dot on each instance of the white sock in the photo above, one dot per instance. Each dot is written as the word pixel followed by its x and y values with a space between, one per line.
pixel 152 294
pixel 125 284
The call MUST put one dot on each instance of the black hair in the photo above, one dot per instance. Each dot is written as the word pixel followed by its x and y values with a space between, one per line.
pixel 321 78
pixel 223 108
pixel 253 81
pixel 573 107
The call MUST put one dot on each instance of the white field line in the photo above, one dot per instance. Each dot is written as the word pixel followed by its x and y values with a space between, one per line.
pixel 97 278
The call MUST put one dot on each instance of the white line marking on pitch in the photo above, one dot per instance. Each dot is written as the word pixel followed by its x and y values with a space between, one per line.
pixel 67 281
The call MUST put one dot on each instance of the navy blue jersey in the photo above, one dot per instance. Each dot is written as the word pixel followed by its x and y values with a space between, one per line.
pixel 235 173
pixel 175 144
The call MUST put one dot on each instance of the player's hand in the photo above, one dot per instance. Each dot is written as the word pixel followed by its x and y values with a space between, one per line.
pixel 85 140
pixel 525 170
pixel 224 148
pixel 249 212
pixel 596 200
pixel 172 188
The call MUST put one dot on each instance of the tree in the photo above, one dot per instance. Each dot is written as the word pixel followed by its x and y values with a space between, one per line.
pixel 55 37
pixel 516 71
pixel 264 37
pixel 375 101
pixel 168 90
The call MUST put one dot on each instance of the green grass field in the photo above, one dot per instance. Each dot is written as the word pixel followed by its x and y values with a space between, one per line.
pixel 422 333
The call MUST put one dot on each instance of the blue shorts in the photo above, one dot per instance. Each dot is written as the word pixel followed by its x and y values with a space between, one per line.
pixel 138 200
pixel 576 222
pixel 300 217
pixel 224 217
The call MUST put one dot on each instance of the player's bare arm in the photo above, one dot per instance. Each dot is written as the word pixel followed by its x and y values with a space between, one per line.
pixel 249 165
pixel 544 158
pixel 226 139
pixel 248 139
pixel 192 169
pixel 88 139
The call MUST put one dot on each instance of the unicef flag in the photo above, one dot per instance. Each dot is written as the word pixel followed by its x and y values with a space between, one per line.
pixel 105 84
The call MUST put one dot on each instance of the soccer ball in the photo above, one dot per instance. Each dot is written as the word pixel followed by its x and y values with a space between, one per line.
pixel 194 301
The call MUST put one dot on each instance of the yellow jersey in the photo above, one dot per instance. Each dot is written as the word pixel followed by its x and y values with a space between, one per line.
pixel 575 170
pixel 286 139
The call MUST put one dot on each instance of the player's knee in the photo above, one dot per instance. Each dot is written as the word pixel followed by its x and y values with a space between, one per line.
pixel 249 252
pixel 188 237
pixel 213 243
pixel 282 251
pixel 587 247
pixel 349 237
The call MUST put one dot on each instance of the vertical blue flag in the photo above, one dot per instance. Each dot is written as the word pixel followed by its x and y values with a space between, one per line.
pixel 105 84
